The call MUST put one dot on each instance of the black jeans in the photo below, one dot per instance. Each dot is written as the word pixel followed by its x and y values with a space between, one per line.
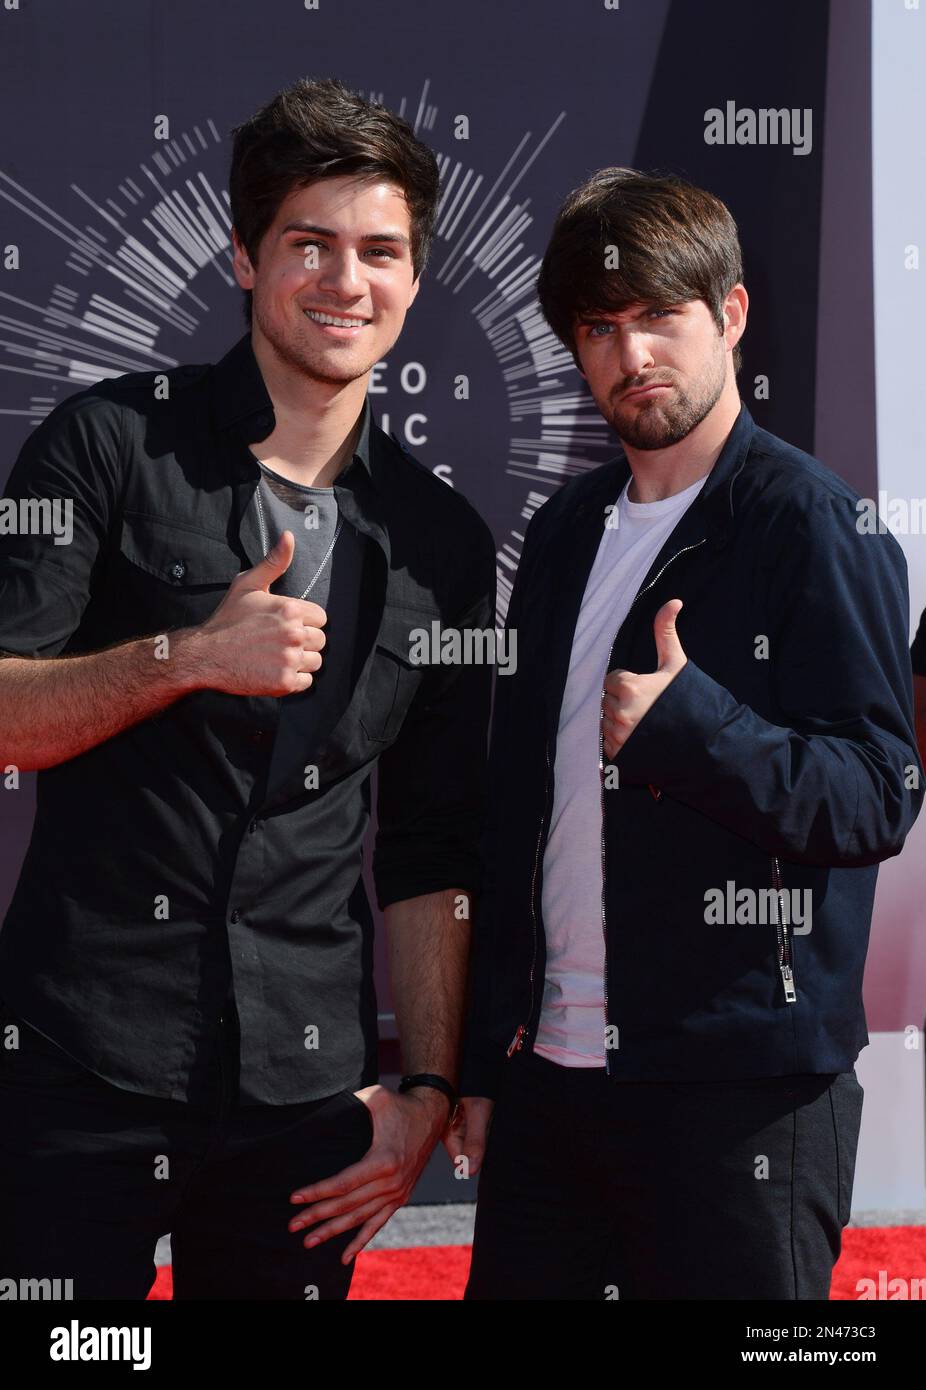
pixel 595 1189
pixel 91 1175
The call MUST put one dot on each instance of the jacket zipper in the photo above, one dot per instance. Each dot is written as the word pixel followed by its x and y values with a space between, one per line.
pixel 785 957
pixel 517 1042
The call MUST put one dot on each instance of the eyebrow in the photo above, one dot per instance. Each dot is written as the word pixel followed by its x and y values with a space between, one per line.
pixel 593 317
pixel 299 226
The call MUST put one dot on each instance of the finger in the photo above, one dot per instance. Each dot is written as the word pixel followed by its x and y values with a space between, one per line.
pixel 612 740
pixel 669 651
pixel 348 1222
pixel 454 1141
pixel 276 562
pixel 334 1206
pixel 367 1169
pixel 474 1153
pixel 313 615
pixel 366 1234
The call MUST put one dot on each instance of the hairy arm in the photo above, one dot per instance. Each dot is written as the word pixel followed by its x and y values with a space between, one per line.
pixel 54 708
pixel 256 643
pixel 428 940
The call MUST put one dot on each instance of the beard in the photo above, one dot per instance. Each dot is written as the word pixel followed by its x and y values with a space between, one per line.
pixel 308 360
pixel 661 421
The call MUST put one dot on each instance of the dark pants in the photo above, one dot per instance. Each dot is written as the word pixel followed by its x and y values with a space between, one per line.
pixel 596 1189
pixel 91 1176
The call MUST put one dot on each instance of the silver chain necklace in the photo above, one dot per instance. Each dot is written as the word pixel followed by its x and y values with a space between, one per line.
pixel 266 543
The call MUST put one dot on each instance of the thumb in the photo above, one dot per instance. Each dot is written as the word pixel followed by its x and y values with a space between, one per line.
pixel 276 562
pixel 669 651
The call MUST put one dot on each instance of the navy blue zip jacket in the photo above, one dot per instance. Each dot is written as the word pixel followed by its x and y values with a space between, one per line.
pixel 782 756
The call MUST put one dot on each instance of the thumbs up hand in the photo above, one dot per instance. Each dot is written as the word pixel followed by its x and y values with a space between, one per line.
pixel 629 696
pixel 258 643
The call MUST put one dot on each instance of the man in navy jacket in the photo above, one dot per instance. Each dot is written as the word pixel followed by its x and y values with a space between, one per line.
pixel 705 753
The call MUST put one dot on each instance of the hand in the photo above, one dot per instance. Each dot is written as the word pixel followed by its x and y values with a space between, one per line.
pixel 258 643
pixel 405 1129
pixel 628 696
pixel 469 1133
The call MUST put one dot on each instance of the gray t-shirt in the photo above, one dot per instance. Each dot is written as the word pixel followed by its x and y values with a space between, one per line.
pixel 311 513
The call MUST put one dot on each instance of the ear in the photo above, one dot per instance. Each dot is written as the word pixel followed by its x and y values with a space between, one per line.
pixel 241 263
pixel 735 310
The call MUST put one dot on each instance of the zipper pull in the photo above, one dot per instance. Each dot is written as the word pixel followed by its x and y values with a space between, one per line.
pixel 656 792
pixel 787 978
pixel 517 1042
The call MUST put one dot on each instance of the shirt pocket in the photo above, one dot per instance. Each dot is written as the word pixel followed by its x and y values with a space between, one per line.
pixel 394 678
pixel 170 573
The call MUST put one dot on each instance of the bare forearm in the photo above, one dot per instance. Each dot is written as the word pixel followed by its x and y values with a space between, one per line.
pixel 52 709
pixel 428 954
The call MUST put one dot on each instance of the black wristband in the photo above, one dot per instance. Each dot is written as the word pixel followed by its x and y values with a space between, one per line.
pixel 439 1083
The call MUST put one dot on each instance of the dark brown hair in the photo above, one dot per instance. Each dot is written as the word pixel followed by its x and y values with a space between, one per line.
pixel 675 243
pixel 319 129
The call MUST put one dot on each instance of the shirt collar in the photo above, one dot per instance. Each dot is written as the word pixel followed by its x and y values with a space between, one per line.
pixel 242 402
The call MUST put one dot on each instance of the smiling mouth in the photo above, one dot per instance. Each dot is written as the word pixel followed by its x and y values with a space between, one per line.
pixel 334 320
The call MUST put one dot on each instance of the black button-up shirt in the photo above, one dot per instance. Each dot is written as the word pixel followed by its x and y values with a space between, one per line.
pixel 163 864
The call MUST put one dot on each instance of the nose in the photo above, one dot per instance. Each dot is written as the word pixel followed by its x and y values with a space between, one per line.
pixel 635 354
pixel 341 275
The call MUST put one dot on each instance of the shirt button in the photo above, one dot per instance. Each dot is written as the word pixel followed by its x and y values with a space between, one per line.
pixel 178 570
pixel 235 915
pixel 258 735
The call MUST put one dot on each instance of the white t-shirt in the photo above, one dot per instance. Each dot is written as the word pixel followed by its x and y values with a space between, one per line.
pixel 572 1017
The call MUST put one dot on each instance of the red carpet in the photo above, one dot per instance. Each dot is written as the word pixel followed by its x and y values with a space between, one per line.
pixel 439 1271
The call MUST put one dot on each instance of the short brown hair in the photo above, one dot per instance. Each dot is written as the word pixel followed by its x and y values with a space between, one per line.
pixel 319 129
pixel 675 243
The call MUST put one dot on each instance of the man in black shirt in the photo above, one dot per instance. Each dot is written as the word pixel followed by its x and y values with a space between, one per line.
pixel 187 1006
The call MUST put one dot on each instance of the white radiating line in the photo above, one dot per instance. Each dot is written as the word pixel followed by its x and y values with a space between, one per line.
pixel 109 329
pixel 424 93
pixel 70 345
pixel 120 310
pixel 450 217
pixel 468 198
pixel 209 189
pixel 139 256
pixel 480 234
pixel 544 140
pixel 446 188
pixel 456 251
